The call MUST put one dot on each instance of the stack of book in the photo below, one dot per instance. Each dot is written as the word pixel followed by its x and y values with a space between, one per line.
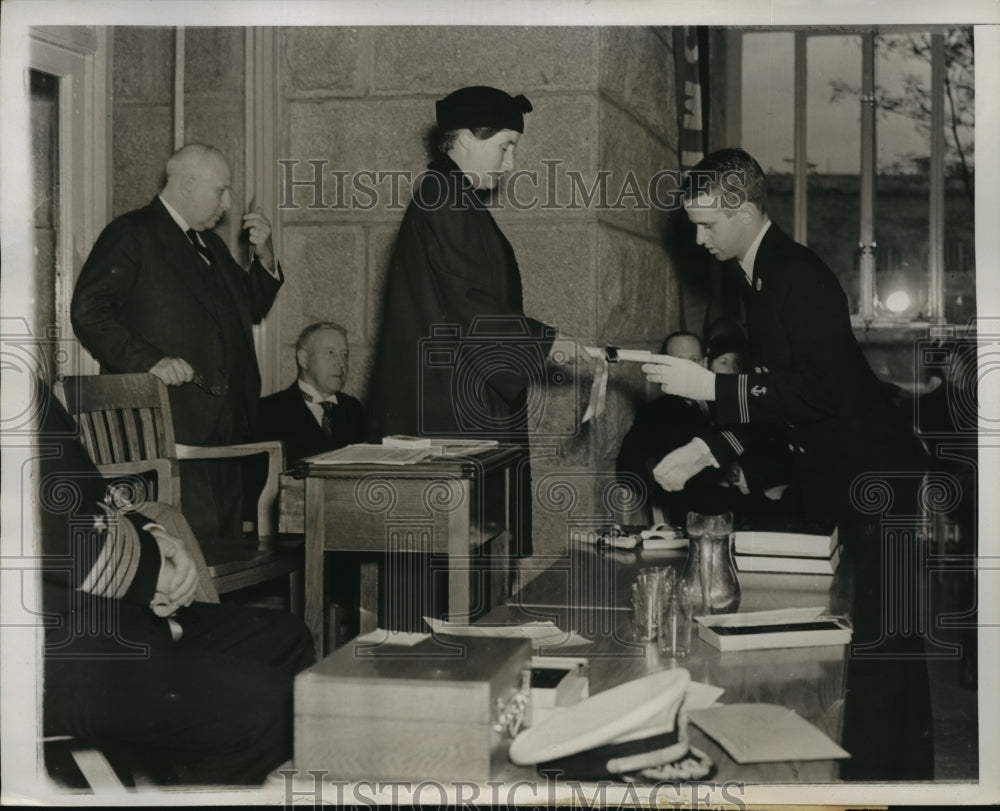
pixel 795 548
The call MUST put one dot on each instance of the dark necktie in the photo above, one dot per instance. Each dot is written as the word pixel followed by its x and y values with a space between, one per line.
pixel 203 251
pixel 328 407
pixel 327 424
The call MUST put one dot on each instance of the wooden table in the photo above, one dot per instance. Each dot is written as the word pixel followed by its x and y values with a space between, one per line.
pixel 587 591
pixel 455 506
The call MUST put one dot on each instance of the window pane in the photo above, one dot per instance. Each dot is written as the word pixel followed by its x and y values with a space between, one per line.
pixel 902 188
pixel 768 88
pixel 833 155
pixel 960 215
pixel 767 115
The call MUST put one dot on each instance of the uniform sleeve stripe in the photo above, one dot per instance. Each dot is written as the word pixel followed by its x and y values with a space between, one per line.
pixel 116 563
pixel 742 384
pixel 736 445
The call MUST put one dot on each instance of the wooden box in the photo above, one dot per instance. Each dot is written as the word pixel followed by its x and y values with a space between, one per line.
pixel 433 711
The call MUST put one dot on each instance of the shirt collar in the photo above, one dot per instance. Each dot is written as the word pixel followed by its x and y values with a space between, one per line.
pixel 314 394
pixel 175 216
pixel 748 259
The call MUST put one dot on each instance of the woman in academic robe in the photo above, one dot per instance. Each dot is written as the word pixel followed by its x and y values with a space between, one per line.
pixel 457 356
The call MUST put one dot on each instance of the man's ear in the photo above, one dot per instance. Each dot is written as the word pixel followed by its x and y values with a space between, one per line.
pixel 746 213
pixel 300 358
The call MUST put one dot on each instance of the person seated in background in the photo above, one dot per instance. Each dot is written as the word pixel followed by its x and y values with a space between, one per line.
pixel 752 489
pixel 725 355
pixel 314 414
pixel 135 662
pixel 662 425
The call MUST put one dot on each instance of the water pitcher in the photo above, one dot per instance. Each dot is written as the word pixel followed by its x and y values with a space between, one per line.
pixel 710 571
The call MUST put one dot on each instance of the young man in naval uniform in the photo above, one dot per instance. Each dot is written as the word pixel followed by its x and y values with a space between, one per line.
pixel 808 374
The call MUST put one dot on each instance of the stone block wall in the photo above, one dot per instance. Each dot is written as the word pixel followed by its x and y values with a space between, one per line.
pixel 142 118
pixel 360 100
pixel 142 129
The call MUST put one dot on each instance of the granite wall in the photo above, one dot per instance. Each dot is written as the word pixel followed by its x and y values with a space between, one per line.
pixel 143 110
pixel 359 101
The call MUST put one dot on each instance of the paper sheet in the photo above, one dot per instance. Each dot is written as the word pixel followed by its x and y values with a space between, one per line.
pixel 381 636
pixel 598 391
pixel 543 634
pixel 764 733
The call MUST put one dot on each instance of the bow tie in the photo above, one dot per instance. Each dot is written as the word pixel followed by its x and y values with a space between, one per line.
pixel 330 399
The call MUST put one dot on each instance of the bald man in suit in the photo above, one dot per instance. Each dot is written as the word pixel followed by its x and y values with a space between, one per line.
pixel 161 293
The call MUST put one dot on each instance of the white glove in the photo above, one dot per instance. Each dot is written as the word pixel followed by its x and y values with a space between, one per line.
pixel 674 470
pixel 682 377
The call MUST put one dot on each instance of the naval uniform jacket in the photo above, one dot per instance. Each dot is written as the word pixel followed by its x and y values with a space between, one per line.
pixel 145 293
pixel 810 374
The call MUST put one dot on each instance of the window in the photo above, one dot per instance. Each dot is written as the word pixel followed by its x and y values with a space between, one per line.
pixel 867 139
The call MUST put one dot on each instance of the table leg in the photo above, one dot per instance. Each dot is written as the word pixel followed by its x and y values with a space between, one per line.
pixel 315 597
pixel 369 596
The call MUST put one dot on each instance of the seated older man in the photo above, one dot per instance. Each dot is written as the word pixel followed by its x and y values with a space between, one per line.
pixel 314 414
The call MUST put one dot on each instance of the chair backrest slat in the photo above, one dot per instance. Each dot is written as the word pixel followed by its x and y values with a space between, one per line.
pixel 124 418
pixel 151 440
pixel 101 437
pixel 133 446
pixel 116 435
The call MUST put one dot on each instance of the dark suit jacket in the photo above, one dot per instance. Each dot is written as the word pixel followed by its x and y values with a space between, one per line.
pixel 810 375
pixel 142 296
pixel 285 416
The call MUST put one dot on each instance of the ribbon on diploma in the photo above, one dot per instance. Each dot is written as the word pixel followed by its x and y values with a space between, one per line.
pixel 604 356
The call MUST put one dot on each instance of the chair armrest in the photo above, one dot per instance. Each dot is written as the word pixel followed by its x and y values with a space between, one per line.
pixel 168 485
pixel 267 503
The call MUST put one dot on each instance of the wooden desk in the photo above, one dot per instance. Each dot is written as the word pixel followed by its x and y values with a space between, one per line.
pixel 587 590
pixel 458 506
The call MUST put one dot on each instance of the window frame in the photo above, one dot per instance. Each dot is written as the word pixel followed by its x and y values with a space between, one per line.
pixel 867 247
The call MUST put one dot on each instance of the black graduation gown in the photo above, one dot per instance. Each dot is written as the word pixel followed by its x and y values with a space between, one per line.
pixel 456 354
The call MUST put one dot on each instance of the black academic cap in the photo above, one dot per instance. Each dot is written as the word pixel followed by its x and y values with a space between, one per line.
pixel 481 106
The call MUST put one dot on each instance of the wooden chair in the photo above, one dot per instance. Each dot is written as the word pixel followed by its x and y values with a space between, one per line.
pixel 126 426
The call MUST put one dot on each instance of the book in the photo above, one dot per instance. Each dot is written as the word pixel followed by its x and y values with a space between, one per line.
pixel 403 441
pixel 788 539
pixel 362 454
pixel 797 564
pixel 449 446
pixel 782 628
pixel 764 591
